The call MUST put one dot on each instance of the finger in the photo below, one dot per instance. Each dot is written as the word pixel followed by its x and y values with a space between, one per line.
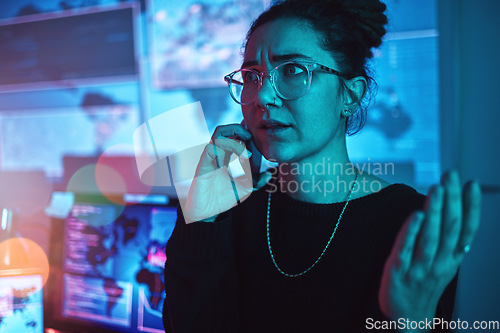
pixel 212 159
pixel 220 150
pixel 406 240
pixel 451 218
pixel 428 238
pixel 264 178
pixel 471 215
pixel 231 146
pixel 231 131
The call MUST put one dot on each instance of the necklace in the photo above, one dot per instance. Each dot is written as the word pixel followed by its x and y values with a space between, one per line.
pixel 327 244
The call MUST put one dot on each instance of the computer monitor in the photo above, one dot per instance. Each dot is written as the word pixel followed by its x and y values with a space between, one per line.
pixel 107 264
pixel 21 301
pixel 64 48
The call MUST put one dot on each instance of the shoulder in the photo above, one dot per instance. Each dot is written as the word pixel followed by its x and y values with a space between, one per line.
pixel 377 189
pixel 385 204
pixel 379 216
pixel 367 184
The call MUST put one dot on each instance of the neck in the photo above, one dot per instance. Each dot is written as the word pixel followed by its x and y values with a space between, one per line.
pixel 318 179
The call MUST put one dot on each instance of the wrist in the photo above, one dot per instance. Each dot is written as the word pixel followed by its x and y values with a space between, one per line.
pixel 420 323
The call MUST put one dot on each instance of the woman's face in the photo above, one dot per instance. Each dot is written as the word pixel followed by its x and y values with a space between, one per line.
pixel 315 127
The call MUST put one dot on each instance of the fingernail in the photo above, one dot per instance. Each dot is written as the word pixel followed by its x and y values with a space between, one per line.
pixel 454 176
pixel 475 186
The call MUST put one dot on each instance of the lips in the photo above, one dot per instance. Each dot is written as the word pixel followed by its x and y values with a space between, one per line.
pixel 272 124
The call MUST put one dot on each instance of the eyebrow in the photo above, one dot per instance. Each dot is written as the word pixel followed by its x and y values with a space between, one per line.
pixel 278 58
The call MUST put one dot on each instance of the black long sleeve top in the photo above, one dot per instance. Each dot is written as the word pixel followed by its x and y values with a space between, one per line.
pixel 220 277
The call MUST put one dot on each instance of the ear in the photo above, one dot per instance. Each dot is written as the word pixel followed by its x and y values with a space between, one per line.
pixel 353 95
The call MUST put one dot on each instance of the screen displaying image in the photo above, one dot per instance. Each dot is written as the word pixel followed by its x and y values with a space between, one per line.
pixel 39 139
pixel 113 265
pixel 195 43
pixel 41 51
pixel 21 303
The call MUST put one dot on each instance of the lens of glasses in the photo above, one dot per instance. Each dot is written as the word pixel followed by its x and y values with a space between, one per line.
pixel 291 80
pixel 244 86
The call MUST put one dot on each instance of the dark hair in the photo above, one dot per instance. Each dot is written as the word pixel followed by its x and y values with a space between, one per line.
pixel 349 28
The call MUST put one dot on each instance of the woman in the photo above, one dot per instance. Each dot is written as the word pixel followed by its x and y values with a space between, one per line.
pixel 294 256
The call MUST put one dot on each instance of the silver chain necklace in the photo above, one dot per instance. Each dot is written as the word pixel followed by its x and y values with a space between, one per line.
pixel 327 244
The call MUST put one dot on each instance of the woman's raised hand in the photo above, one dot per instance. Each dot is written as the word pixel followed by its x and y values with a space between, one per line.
pixel 428 250
pixel 214 190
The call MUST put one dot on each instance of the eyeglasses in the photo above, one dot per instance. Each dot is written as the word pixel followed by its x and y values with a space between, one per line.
pixel 290 80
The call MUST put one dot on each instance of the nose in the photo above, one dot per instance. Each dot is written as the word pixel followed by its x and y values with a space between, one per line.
pixel 267 94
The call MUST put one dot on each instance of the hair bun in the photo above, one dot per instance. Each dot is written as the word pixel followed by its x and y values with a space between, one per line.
pixel 365 18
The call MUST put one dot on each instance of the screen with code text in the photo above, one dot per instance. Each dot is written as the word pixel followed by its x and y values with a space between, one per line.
pixel 112 266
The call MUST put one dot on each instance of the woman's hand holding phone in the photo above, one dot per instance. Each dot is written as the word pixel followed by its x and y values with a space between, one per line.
pixel 214 190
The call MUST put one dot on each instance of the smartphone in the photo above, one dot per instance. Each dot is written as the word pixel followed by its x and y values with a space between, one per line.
pixel 256 158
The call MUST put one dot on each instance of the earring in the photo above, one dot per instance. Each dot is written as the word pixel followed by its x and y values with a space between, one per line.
pixel 347 112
